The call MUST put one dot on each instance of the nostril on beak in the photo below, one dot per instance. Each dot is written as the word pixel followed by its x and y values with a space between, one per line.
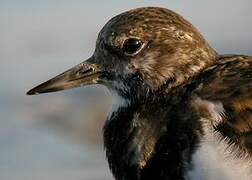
pixel 86 71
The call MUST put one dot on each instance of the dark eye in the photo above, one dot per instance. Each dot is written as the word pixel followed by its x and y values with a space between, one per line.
pixel 131 46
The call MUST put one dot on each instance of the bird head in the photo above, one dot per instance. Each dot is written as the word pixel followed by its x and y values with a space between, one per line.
pixel 137 52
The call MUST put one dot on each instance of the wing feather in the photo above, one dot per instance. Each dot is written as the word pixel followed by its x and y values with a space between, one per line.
pixel 230 83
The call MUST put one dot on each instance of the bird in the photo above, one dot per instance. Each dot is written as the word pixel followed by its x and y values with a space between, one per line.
pixel 182 111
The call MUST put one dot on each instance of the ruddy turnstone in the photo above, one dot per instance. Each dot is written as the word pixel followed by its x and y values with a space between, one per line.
pixel 183 110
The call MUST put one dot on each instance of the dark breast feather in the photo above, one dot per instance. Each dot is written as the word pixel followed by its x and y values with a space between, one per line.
pixel 230 82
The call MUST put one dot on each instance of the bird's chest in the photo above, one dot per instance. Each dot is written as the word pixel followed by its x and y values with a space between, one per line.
pixel 151 141
pixel 130 137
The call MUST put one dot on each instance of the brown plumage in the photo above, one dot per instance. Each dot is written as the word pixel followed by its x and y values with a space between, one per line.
pixel 184 110
pixel 230 83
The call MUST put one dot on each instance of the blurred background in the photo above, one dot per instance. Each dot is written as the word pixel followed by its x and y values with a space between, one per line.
pixel 59 136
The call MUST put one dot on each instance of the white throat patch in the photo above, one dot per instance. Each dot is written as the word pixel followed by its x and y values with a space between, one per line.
pixel 117 103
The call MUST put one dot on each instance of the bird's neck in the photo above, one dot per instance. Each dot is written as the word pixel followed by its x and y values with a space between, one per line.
pixel 153 139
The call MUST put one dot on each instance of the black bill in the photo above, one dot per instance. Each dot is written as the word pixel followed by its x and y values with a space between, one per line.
pixel 83 74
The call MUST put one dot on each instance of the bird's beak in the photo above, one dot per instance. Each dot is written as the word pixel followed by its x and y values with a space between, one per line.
pixel 85 73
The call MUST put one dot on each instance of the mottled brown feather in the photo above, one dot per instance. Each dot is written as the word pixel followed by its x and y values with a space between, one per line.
pixel 231 84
